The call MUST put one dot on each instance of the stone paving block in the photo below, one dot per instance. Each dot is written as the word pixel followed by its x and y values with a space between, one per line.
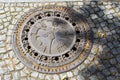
pixel 118 59
pixel 93 77
pixel 106 72
pixel 100 75
pixel 111 78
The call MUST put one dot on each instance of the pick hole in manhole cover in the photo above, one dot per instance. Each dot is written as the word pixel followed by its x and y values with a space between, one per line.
pixel 52 39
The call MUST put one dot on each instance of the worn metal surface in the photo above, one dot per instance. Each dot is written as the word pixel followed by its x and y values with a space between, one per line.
pixel 52 39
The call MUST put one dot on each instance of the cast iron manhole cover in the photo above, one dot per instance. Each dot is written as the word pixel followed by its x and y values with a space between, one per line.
pixel 52 39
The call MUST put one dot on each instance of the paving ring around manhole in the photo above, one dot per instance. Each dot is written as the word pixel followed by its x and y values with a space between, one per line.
pixel 52 39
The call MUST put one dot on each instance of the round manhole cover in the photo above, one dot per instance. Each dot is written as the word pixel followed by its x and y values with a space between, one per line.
pixel 52 39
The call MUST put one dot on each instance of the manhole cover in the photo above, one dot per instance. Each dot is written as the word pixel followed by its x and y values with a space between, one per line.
pixel 52 39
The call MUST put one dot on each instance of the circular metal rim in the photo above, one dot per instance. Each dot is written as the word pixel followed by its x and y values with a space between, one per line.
pixel 16 50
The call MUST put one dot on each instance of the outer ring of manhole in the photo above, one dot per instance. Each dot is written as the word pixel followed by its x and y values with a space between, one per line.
pixel 44 63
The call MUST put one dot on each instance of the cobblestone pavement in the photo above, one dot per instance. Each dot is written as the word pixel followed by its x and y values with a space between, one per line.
pixel 103 62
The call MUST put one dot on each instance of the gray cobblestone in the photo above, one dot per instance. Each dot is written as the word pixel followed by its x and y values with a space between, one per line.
pixel 106 28
pixel 100 75
pixel 111 78
pixel 93 77
pixel 113 61
pixel 113 70
pixel 118 59
pixel 106 72
pixel 86 73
